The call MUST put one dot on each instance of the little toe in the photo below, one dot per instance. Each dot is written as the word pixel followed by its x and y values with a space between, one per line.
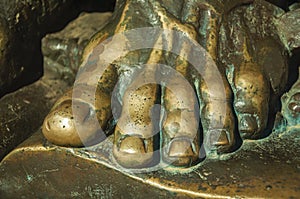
pixel 63 128
pixel 251 103
pixel 78 118
pixel 59 127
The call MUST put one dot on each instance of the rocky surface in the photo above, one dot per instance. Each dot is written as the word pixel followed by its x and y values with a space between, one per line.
pixel 63 50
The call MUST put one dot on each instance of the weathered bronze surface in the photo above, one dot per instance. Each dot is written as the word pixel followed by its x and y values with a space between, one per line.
pixel 62 51
pixel 23 110
pixel 55 172
pixel 240 36
pixel 268 168
pixel 251 47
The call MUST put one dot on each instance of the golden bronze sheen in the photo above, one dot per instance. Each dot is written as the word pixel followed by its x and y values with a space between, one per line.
pixel 169 130
pixel 241 37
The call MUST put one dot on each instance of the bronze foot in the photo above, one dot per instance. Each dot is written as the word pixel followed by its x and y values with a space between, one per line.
pixel 194 113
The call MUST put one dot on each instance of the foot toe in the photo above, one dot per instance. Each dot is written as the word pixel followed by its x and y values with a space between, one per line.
pixel 72 123
pixel 251 102
pixel 59 126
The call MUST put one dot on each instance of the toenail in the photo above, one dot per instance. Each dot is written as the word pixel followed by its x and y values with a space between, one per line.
pixel 295 107
pixel 248 125
pixel 218 137
pixel 180 148
pixel 132 145
pixel 132 152
pixel 47 126
pixel 181 152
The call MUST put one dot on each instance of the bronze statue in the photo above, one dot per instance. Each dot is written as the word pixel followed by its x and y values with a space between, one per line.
pixel 242 39
pixel 163 86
